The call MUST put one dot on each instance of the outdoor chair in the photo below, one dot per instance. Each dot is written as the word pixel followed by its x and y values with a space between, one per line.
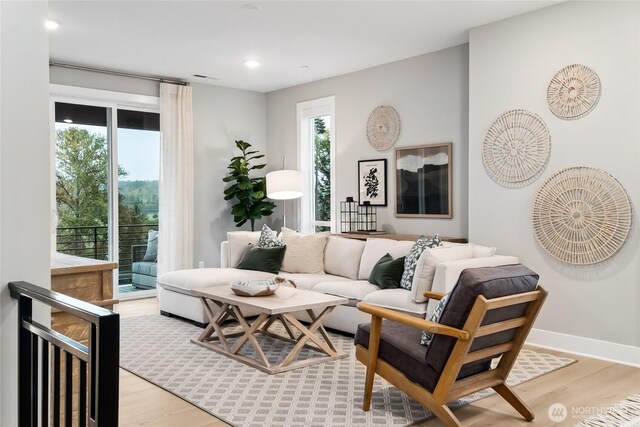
pixel 489 314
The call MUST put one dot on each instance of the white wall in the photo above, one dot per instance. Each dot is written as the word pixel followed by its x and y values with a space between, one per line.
pixel 430 93
pixel 24 175
pixel 511 64
pixel 220 116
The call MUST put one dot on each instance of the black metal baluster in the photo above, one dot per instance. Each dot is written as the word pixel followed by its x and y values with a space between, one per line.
pixel 68 390
pixel 56 387
pixel 24 368
pixel 44 384
pixel 82 407
pixel 34 378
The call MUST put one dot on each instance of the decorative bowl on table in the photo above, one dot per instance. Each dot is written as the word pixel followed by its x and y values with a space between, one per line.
pixel 254 288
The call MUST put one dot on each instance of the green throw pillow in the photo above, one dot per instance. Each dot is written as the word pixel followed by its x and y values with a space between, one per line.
pixel 387 272
pixel 262 259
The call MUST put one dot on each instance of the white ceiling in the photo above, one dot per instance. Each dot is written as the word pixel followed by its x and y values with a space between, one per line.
pixel 181 38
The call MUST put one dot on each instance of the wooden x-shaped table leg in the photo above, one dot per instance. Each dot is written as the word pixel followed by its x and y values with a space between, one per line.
pixel 308 334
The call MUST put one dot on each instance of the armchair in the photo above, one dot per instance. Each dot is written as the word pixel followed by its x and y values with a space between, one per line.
pixel 489 314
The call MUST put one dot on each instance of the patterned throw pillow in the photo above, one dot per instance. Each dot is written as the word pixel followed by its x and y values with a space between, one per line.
pixel 412 257
pixel 427 336
pixel 269 238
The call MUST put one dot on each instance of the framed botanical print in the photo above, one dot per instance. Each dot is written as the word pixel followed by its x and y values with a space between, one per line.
pixel 372 182
pixel 423 181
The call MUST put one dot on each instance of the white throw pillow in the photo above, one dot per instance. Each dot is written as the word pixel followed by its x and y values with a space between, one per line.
pixel 480 251
pixel 342 256
pixel 427 263
pixel 305 252
pixel 238 243
pixel 374 249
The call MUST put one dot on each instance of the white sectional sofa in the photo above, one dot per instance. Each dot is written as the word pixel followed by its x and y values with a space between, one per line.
pixel 347 265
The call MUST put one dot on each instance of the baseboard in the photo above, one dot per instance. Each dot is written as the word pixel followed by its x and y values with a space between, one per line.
pixel 603 350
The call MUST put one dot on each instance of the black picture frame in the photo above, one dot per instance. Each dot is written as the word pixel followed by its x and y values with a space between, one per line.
pixel 423 181
pixel 372 182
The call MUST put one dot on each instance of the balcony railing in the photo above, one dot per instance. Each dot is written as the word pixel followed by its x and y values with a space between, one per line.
pixel 93 242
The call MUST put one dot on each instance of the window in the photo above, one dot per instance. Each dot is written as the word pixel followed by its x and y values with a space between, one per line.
pixel 107 169
pixel 316 148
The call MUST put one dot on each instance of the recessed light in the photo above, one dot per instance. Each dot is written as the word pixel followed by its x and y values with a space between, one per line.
pixel 67 120
pixel 51 24
pixel 304 66
pixel 251 63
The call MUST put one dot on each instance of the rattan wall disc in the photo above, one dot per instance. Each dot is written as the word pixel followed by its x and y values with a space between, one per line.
pixel 516 148
pixel 573 92
pixel 581 215
pixel 383 128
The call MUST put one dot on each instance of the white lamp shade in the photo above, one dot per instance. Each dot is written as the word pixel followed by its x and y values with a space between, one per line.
pixel 284 185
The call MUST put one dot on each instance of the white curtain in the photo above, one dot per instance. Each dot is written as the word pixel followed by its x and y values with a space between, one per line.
pixel 175 240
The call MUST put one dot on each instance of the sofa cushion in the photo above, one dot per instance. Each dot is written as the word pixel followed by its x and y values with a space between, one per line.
pixel 387 272
pixel 342 256
pixel 448 273
pixel 427 263
pixel 308 281
pixel 396 299
pixel 146 268
pixel 412 258
pixel 355 290
pixel 480 251
pixel 151 254
pixel 267 259
pixel 374 249
pixel 238 243
pixel 305 252
pixel 196 278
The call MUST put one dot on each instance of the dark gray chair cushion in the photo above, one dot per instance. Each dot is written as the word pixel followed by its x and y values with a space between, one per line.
pixel 400 347
pixel 491 282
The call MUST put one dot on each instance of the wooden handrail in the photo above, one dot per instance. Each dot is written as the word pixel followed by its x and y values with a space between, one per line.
pixel 412 321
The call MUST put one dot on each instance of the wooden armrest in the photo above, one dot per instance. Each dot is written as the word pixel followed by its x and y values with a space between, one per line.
pixel 412 321
pixel 433 295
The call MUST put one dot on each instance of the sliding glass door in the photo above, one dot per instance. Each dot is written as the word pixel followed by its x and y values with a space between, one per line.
pixel 107 172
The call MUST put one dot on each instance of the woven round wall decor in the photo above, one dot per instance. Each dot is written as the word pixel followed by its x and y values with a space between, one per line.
pixel 581 215
pixel 516 148
pixel 383 128
pixel 573 92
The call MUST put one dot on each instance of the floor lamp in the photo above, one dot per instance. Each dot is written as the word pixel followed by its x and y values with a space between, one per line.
pixel 284 185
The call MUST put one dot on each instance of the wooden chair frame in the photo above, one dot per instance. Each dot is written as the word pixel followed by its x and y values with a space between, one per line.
pixel 448 388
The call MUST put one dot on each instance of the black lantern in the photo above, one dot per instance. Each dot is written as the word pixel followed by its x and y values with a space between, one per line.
pixel 367 217
pixel 348 215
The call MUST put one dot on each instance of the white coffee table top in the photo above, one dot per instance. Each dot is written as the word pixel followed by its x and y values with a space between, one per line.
pixel 285 299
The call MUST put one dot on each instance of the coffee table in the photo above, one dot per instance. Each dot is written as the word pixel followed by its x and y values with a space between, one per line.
pixel 220 304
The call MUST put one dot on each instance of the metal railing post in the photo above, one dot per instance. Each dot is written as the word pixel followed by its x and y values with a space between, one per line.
pixel 27 397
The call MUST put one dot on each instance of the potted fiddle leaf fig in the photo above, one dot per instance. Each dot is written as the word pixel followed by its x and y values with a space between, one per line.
pixel 249 193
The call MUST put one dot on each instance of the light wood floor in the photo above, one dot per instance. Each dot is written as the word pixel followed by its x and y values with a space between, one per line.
pixel 589 383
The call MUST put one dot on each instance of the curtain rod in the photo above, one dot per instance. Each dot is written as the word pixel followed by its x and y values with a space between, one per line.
pixel 118 73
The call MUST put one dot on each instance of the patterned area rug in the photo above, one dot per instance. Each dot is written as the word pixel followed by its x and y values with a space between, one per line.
pixel 623 414
pixel 157 349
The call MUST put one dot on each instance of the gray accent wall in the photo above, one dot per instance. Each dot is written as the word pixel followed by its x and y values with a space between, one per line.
pixel 429 92
pixel 511 64
pixel 24 177
pixel 220 116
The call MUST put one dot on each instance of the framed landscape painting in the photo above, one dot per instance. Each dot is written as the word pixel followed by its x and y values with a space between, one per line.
pixel 372 182
pixel 423 181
